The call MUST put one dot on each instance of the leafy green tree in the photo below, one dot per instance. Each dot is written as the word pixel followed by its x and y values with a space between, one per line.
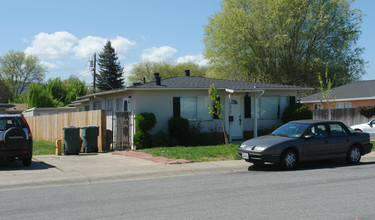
pixel 216 108
pixel 18 71
pixel 73 88
pixel 147 69
pixel 110 72
pixel 325 88
pixel 38 96
pixel 56 90
pixel 286 42
pixel 56 93
pixel 5 93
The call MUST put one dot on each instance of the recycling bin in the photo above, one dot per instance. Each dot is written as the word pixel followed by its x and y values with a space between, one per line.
pixel 90 139
pixel 72 143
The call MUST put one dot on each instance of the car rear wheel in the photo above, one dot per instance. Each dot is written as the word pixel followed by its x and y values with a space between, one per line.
pixel 289 159
pixel 26 162
pixel 353 155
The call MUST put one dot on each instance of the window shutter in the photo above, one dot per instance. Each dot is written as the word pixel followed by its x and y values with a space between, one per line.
pixel 176 107
pixel 247 106
pixel 215 115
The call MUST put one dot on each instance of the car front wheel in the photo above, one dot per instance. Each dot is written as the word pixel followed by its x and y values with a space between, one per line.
pixel 354 155
pixel 289 159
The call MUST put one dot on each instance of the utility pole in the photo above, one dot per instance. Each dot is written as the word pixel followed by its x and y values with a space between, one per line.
pixel 94 72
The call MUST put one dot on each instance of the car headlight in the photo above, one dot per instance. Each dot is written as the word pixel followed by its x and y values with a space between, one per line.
pixel 258 148
pixel 243 146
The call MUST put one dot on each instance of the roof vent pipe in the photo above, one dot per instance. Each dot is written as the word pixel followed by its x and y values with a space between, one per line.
pixel 187 72
pixel 157 79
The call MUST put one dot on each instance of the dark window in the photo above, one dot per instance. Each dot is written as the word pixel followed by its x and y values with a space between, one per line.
pixel 247 107
pixel 292 100
pixel 337 130
pixel 125 105
pixel 176 107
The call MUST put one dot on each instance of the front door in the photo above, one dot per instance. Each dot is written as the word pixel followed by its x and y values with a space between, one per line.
pixel 235 121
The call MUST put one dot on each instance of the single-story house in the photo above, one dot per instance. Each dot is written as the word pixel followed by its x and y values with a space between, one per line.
pixel 48 111
pixel 247 105
pixel 4 107
pixel 352 95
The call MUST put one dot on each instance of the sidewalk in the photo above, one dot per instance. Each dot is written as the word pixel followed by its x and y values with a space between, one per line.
pixel 51 170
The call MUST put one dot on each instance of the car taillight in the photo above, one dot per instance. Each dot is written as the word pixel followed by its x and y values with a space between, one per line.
pixel 27 127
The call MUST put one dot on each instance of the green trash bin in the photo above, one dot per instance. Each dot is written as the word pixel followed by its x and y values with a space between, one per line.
pixel 72 142
pixel 90 139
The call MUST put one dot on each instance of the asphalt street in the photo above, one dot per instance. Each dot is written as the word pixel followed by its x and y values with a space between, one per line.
pixel 325 190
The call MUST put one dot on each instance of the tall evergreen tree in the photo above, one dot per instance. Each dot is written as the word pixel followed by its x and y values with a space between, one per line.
pixel 110 72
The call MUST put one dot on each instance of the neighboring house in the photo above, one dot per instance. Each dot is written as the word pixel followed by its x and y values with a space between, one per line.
pixel 352 95
pixel 48 111
pixel 18 108
pixel 247 105
pixel 4 107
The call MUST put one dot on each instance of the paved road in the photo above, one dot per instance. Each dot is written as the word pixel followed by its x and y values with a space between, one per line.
pixel 331 190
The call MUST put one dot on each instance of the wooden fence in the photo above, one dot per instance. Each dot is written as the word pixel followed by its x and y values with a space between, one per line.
pixel 349 116
pixel 50 127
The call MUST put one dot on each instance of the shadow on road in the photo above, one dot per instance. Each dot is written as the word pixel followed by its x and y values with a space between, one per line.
pixel 17 165
pixel 323 164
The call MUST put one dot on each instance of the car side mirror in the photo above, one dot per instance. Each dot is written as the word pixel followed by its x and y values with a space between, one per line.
pixel 309 136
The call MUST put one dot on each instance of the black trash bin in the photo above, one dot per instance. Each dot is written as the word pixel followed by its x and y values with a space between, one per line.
pixel 90 139
pixel 72 142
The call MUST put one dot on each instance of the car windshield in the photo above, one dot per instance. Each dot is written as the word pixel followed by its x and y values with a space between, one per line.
pixel 291 129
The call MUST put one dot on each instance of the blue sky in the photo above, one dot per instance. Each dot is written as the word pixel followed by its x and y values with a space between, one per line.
pixel 65 34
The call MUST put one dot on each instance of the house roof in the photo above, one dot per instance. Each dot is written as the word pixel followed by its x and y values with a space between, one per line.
pixel 361 90
pixel 17 108
pixel 196 83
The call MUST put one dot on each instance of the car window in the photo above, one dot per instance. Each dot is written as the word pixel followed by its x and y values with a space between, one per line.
pixel 291 129
pixel 318 131
pixel 7 122
pixel 337 130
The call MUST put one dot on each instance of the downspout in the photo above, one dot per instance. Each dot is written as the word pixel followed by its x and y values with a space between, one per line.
pixel 256 113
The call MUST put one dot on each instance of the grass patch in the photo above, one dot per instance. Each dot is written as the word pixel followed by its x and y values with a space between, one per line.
pixel 41 147
pixel 197 153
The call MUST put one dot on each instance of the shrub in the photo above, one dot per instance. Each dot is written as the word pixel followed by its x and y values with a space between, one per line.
pixel 142 139
pixel 296 111
pixel 145 121
pixel 179 130
pixel 160 139
pixel 367 111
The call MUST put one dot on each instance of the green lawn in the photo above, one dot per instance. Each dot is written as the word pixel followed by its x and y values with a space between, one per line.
pixel 41 147
pixel 196 154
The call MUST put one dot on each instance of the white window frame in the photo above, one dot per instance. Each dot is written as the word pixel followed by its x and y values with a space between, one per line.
pixel 197 107
pixel 343 105
pixel 318 106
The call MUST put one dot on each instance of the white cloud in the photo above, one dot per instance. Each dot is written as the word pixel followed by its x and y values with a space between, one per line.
pixel 89 45
pixel 52 46
pixel 49 65
pixel 155 54
pixel 197 59
pixel 121 45
pixel 63 44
